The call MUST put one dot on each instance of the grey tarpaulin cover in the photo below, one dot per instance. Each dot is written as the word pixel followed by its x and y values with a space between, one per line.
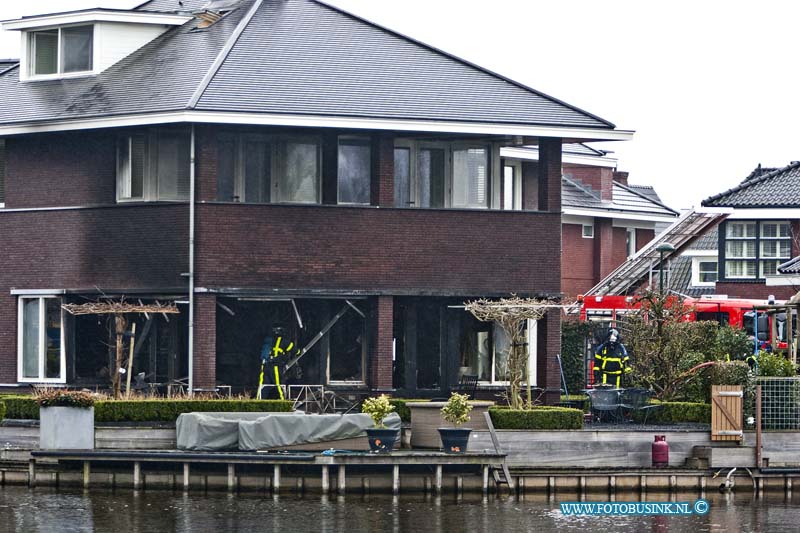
pixel 274 432
pixel 223 431
pixel 212 431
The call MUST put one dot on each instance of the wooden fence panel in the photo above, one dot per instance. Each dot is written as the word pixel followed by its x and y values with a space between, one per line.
pixel 726 413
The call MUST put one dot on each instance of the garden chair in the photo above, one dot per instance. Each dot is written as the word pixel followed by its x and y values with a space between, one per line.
pixel 605 404
pixel 638 400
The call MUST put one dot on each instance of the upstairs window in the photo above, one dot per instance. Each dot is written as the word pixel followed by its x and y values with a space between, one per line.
pixel 153 165
pixel 754 249
pixel 354 170
pixel 263 169
pixel 61 50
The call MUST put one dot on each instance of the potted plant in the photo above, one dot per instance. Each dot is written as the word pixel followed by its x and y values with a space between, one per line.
pixel 381 438
pixel 456 411
pixel 66 420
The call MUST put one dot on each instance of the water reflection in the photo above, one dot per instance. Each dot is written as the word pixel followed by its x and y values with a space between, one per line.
pixel 46 510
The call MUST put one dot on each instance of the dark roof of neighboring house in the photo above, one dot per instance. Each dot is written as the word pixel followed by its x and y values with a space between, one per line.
pixel 758 172
pixel 708 241
pixel 7 63
pixel 577 195
pixel 792 266
pixel 777 188
pixel 582 149
pixel 295 57
pixel 646 190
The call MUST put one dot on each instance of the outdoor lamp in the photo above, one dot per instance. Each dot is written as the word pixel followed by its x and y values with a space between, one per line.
pixel 662 249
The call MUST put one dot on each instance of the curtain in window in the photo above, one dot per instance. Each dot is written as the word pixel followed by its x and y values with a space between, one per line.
pixel 402 177
pixel 354 171
pixel 502 349
pixel 30 338
pixel 299 180
pixel 257 171
pixel 470 170
pixel 76 48
pixel 172 166
pixel 430 173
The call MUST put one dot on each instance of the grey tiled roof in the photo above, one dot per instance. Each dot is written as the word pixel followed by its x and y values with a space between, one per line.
pixel 293 57
pixel 680 278
pixel 7 63
pixel 646 190
pixel 173 6
pixel 709 241
pixel 778 188
pixel 792 266
pixel 581 149
pixel 577 195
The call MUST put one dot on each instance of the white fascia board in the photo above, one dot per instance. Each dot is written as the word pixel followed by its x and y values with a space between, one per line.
pixel 782 281
pixel 602 213
pixel 36 292
pixel 578 220
pixel 62 19
pixel 636 224
pixel 531 154
pixel 700 253
pixel 311 121
pixel 765 214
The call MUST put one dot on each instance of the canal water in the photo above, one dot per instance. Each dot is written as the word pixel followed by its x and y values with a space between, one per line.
pixel 51 510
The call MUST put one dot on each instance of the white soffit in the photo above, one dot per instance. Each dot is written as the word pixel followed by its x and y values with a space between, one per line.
pixel 765 214
pixel 532 154
pixel 99 15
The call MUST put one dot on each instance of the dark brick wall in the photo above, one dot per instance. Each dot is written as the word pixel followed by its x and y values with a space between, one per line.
pixel 61 169
pixel 598 178
pixel 380 375
pixel 577 260
pixel 549 343
pixel 643 236
pixel 205 341
pixel 382 250
pixel 549 174
pixel 755 290
pixel 113 248
pixel 382 184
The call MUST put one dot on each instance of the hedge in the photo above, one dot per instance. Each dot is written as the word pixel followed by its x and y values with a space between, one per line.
pixel 2 410
pixel 164 410
pixel 540 417
pixel 676 413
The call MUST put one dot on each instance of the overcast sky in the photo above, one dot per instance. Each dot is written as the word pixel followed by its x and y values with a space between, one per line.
pixel 709 86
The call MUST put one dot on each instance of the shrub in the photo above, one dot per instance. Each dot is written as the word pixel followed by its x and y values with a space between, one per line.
pixel 21 407
pixel 732 344
pixel 775 365
pixel 677 412
pixel 64 398
pixel 2 410
pixel 573 352
pixel 544 417
pixel 378 409
pixel 456 410
pixel 168 410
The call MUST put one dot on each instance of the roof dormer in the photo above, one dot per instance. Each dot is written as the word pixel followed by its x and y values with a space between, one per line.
pixel 84 43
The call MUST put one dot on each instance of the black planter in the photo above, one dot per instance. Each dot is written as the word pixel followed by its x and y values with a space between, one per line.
pixel 455 440
pixel 382 440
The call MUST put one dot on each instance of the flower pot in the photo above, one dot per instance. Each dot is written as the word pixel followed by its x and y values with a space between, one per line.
pixel 66 428
pixel 382 440
pixel 455 440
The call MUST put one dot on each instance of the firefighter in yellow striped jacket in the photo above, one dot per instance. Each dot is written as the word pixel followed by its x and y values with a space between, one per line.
pixel 610 361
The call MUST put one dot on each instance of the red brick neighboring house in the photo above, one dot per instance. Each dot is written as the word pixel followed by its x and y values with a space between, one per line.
pixel 272 163
pixel 760 235
pixel 605 220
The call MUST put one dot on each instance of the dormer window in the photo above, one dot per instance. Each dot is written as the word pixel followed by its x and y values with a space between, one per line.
pixel 64 50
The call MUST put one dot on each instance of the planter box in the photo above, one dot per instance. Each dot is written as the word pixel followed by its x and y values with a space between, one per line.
pixel 66 428
pixel 426 419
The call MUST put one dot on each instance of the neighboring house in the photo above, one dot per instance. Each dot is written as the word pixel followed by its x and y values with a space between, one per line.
pixel 265 163
pixel 760 235
pixel 605 220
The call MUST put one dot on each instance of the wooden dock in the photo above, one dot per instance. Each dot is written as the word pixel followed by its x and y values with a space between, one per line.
pixel 192 470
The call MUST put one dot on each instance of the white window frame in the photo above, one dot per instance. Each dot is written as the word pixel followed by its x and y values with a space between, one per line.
pixel 696 270
pixel 29 50
pixel 42 342
pixel 516 193
pixel 630 233
pixel 492 164
pixel 533 357
pixel 587 231
pixel 4 173
pixel 150 176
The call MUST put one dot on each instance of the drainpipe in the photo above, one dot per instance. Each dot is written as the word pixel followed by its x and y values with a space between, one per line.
pixel 191 263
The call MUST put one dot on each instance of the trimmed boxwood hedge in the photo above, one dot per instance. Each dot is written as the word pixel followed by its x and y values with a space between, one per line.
pixel 678 412
pixel 2 410
pixel 540 417
pixel 161 410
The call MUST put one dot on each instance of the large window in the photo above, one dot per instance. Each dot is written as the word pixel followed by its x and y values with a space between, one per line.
pixel 41 340
pixel 61 50
pixel 754 249
pixel 2 172
pixel 262 169
pixel 485 349
pixel 441 175
pixel 153 165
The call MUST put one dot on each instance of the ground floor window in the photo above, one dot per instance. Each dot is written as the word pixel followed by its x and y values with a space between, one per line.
pixel 41 340
pixel 485 349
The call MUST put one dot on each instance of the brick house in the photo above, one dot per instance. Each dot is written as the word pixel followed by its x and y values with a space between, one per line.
pixel 760 234
pixel 263 163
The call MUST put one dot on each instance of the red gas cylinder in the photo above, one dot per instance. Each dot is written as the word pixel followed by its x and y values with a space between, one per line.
pixel 660 452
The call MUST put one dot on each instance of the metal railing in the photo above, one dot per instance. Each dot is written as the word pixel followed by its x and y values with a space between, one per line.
pixel 780 403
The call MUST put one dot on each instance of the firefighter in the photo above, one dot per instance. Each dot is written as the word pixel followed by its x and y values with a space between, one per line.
pixel 275 353
pixel 610 361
